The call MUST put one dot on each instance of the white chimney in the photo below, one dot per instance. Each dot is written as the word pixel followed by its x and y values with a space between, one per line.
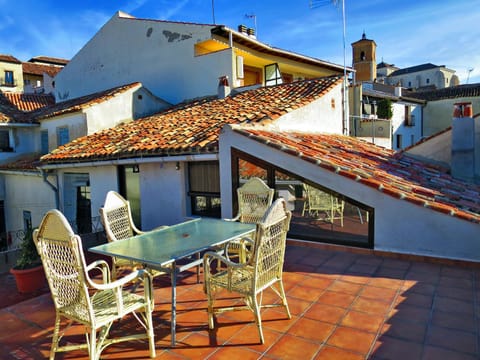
pixel 465 143
pixel 223 87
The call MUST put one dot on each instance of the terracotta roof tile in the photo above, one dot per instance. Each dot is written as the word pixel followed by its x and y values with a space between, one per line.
pixel 29 102
pixel 9 58
pixel 80 103
pixel 9 113
pixel 193 127
pixel 26 162
pixel 395 174
pixel 39 69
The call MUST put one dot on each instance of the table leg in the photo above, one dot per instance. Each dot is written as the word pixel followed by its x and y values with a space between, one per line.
pixel 174 303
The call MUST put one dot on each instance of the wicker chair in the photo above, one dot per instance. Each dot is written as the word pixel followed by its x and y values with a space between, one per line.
pixel 116 217
pixel 318 202
pixel 80 299
pixel 262 270
pixel 254 199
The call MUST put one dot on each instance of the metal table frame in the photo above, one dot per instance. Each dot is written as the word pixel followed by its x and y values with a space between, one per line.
pixel 162 249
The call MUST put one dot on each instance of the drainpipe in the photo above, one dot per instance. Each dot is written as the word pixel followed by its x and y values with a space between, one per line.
pixel 53 187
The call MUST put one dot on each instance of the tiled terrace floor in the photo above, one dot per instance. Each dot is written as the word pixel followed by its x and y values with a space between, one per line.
pixel 345 305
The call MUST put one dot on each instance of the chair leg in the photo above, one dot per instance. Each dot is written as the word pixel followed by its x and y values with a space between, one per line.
pixel 211 324
pixel 151 338
pixel 258 318
pixel 92 349
pixel 284 299
pixel 55 338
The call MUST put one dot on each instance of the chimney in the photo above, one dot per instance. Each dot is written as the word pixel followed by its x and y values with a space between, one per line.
pixel 465 143
pixel 223 87
pixel 242 29
pixel 251 33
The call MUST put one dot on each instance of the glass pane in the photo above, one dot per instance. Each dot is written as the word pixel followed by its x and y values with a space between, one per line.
pixel 318 214
pixel 204 176
pixel 247 170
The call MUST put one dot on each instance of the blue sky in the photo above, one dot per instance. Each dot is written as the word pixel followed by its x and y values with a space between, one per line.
pixel 407 32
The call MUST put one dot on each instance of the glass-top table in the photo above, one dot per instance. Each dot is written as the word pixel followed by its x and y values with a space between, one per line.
pixel 162 249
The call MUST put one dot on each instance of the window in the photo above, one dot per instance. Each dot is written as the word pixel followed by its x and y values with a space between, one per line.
pixel 129 186
pixel 272 75
pixel 5 141
pixel 362 56
pixel 27 220
pixel 76 201
pixel 204 183
pixel 351 223
pixel 62 136
pixel 44 142
pixel 9 81
pixel 409 118
pixel 399 141
pixel 428 81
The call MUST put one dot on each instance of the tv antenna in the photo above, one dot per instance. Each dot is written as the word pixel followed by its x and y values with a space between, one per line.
pixel 254 17
pixel 469 72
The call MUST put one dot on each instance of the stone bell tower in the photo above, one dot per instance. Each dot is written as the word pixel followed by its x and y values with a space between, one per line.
pixel 364 59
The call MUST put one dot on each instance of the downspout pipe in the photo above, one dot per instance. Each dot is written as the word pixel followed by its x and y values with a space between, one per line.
pixel 52 186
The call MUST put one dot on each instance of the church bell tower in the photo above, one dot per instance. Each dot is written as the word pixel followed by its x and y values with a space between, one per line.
pixel 364 59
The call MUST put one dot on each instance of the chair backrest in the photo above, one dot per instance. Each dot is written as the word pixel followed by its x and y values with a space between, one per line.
pixel 116 217
pixel 254 199
pixel 270 241
pixel 318 199
pixel 64 264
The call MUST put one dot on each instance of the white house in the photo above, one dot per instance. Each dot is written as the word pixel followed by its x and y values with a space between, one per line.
pixel 179 61
pixel 26 193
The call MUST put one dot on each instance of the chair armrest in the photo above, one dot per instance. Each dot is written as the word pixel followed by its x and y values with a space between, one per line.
pixel 103 267
pixel 210 256
pixel 119 283
pixel 236 218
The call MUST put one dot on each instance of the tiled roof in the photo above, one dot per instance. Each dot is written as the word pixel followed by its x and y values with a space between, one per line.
pixel 81 103
pixel 29 102
pixel 452 92
pixel 9 58
pixel 39 69
pixel 394 174
pixel 415 68
pixel 194 127
pixel 27 162
pixel 49 60
pixel 9 113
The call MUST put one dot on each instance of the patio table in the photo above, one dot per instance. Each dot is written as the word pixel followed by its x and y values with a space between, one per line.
pixel 162 249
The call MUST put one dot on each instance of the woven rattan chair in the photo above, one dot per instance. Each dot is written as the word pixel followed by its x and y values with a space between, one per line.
pixel 116 217
pixel 254 199
pixel 79 299
pixel 262 270
pixel 318 202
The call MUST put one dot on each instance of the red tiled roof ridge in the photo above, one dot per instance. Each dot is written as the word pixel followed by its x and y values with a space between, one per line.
pixel 82 102
pixel 192 127
pixel 401 177
pixel 28 102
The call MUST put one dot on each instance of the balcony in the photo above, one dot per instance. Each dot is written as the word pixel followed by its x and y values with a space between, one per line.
pixel 346 304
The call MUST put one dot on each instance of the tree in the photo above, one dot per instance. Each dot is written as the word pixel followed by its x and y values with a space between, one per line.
pixel 384 109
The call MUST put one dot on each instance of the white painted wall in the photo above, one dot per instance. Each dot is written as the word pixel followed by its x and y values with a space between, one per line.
pixel 26 192
pixel 75 122
pixel 400 226
pixel 159 54
pixel 410 134
pixel 318 116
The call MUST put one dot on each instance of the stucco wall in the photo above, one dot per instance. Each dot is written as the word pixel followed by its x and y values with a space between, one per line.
pixel 400 226
pixel 438 114
pixel 75 122
pixel 158 54
pixel 29 193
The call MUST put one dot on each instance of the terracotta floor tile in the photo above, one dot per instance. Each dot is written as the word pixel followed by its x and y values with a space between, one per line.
pixel 371 306
pixel 456 282
pixel 277 320
pixel 311 329
pixel 388 283
pixel 327 313
pixel 363 269
pixel 319 283
pixel 363 321
pixel 356 279
pixel 195 346
pixel 235 353
pixel 249 337
pixel 406 330
pixel 294 348
pixel 304 293
pixel 453 321
pixel 452 339
pixel 387 272
pixel 378 293
pixel 454 306
pixel 336 299
pixel 455 293
pixel 415 299
pixel 345 287
pixel 411 313
pixel 419 287
pixel 333 353
pixel 297 306
pixel 396 349
pixel 437 353
pixel 351 339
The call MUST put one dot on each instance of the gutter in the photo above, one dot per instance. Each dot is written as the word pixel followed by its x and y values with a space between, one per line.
pixel 53 187
pixel 132 161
